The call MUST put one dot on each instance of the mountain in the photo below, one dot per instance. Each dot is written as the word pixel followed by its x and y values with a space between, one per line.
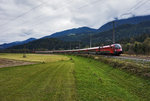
pixel 132 20
pixel 72 32
pixel 7 45
pixel 83 33
pixel 44 44
pixel 123 32
pixel 128 28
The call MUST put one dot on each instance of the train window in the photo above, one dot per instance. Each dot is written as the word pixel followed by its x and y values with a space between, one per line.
pixel 112 47
pixel 117 46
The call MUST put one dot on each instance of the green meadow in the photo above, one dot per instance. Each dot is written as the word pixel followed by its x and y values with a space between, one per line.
pixel 69 78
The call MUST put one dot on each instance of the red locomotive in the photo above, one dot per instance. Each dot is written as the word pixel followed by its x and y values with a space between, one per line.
pixel 114 49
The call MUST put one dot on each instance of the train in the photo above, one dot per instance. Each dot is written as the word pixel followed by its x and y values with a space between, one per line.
pixel 113 49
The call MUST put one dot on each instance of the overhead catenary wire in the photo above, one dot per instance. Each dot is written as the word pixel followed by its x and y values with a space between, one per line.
pixel 23 14
pixel 136 6
pixel 141 4
pixel 133 8
pixel 138 3
pixel 76 8
pixel 42 3
pixel 27 12
pixel 96 1
pixel 41 22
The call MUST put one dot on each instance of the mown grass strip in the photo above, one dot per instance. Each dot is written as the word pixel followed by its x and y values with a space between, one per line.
pixel 34 57
pixel 40 82
pixel 80 79
pixel 100 82
pixel 131 67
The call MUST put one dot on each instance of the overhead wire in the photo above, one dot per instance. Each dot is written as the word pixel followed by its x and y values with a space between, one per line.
pixel 139 4
pixel 39 23
pixel 75 8
pixel 136 6
pixel 33 8
pixel 89 4
pixel 23 14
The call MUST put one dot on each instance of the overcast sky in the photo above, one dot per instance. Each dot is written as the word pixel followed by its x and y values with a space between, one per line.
pixel 23 19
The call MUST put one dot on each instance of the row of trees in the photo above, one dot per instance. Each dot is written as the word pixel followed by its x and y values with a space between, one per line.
pixel 136 47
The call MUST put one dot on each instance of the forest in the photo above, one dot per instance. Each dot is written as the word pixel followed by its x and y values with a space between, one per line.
pixel 134 38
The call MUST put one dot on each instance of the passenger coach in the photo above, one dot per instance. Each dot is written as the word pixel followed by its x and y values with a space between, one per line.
pixel 114 49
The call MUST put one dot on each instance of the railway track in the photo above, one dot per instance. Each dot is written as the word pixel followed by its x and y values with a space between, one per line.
pixel 134 58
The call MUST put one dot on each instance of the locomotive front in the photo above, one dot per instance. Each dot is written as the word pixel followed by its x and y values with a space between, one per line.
pixel 117 49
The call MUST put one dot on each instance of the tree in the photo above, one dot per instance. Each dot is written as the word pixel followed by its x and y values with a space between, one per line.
pixel 146 43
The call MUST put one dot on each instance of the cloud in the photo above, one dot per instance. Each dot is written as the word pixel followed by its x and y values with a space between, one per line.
pixel 22 19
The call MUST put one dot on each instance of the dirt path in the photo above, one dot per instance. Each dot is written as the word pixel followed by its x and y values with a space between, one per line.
pixel 10 62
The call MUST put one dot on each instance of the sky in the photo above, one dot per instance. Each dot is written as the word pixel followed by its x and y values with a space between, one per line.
pixel 23 19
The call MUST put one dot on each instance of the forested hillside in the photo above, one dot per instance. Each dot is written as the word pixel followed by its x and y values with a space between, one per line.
pixel 133 37
pixel 122 32
pixel 42 44
pixel 7 45
pixel 132 20
pixel 137 45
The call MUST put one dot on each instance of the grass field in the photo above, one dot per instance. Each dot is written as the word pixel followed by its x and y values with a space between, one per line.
pixel 63 79
pixel 34 57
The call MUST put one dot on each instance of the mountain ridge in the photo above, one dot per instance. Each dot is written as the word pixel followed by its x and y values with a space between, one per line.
pixel 131 20
pixel 123 32
pixel 7 45
pixel 136 26
pixel 71 31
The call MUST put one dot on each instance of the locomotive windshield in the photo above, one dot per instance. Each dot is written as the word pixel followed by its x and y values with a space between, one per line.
pixel 117 46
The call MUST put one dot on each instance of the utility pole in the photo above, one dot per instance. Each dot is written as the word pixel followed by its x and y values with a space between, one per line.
pixel 24 55
pixel 90 40
pixel 79 44
pixel 113 32
pixel 70 45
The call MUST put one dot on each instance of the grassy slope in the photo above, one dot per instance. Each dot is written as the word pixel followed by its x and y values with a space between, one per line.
pixel 99 81
pixel 41 82
pixel 78 79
